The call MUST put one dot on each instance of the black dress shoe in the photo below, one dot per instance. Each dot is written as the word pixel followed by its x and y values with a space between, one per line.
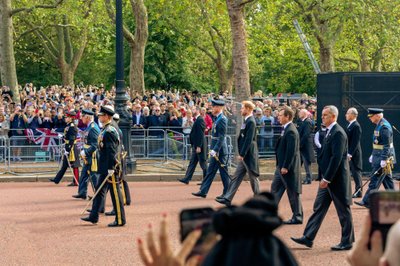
pixel 200 183
pixel 362 204
pixel 220 196
pixel 306 182
pixel 223 201
pixel 115 224
pixel 110 213
pixel 199 194
pixel 183 180
pixel 357 195
pixel 88 219
pixel 303 241
pixel 79 196
pixel 292 221
pixel 72 184
pixel 53 180
pixel 341 247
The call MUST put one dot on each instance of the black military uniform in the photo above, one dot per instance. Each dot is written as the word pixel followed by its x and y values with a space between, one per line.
pixel 108 142
pixel 89 168
pixel 383 149
pixel 71 154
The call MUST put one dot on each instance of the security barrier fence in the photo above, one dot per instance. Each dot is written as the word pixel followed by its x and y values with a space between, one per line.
pixel 41 152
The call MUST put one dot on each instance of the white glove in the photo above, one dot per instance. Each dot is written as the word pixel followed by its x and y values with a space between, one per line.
pixel 370 159
pixel 83 154
pixel 349 156
pixel 110 172
pixel 383 163
pixel 66 153
pixel 213 153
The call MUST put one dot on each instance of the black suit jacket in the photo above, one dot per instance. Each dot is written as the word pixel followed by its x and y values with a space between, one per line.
pixel 247 145
pixel 334 164
pixel 288 156
pixel 197 136
pixel 354 133
pixel 306 140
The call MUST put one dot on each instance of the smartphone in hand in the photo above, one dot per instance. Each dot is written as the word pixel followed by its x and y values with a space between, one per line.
pixel 384 211
pixel 197 218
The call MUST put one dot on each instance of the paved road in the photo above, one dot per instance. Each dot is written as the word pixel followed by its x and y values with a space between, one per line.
pixel 40 225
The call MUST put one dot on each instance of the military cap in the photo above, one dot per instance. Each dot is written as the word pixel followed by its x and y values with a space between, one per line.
pixel 87 112
pixel 116 117
pixel 106 110
pixel 70 113
pixel 374 111
pixel 216 102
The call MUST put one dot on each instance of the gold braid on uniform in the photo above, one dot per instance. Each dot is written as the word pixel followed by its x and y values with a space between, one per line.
pixel 389 166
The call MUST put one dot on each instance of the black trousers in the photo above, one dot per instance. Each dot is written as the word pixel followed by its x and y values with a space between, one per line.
pixel 356 173
pixel 321 206
pixel 278 187
pixel 116 198
pixel 194 159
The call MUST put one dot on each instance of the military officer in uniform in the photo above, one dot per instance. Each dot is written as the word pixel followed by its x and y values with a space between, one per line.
pixel 218 151
pixel 382 151
pixel 247 158
pixel 71 153
pixel 88 154
pixel 108 142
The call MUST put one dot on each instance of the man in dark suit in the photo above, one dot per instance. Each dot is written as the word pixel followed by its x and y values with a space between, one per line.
pixel 248 156
pixel 354 155
pixel 218 151
pixel 287 173
pixel 138 119
pixel 335 184
pixel 199 146
pixel 306 144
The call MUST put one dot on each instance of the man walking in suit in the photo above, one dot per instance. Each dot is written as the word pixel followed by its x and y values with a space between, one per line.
pixel 218 152
pixel 354 155
pixel 306 144
pixel 248 156
pixel 382 151
pixel 199 146
pixel 335 184
pixel 287 174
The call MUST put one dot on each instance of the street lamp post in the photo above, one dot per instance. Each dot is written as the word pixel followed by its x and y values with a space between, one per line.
pixel 121 97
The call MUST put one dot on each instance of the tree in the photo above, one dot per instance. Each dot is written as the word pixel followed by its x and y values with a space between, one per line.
pixel 137 43
pixel 8 71
pixel 239 50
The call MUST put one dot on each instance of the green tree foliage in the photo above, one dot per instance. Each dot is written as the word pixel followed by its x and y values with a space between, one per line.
pixel 183 36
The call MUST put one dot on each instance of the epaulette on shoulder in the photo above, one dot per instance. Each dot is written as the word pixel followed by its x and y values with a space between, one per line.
pixel 92 125
pixel 72 125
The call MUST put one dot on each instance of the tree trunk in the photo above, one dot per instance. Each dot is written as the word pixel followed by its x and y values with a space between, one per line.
pixel 138 46
pixel 67 74
pixel 326 58
pixel 239 51
pixel 378 56
pixel 7 60
pixel 225 78
pixel 364 60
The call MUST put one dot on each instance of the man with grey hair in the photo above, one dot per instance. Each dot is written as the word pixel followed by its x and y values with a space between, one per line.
pixel 335 184
pixel 305 129
pixel 354 153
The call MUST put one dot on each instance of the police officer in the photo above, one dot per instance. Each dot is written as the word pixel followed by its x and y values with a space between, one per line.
pixel 218 152
pixel 108 142
pixel 88 154
pixel 71 153
pixel 382 151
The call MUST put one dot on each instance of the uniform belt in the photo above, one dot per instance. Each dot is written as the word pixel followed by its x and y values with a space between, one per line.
pixel 380 147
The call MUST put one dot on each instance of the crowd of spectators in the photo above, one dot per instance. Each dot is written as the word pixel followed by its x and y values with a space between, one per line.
pixel 45 108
